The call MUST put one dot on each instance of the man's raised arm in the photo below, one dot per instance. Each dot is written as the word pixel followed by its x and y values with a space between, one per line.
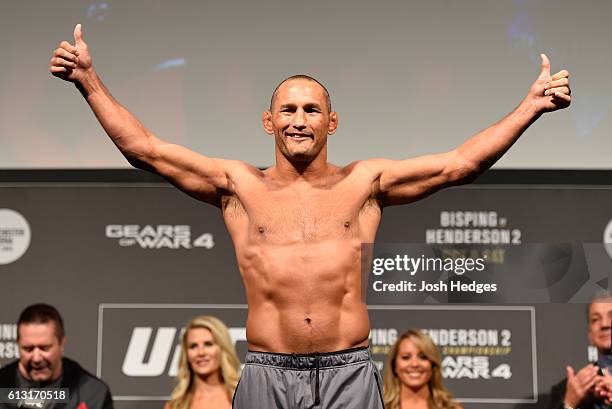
pixel 408 180
pixel 199 176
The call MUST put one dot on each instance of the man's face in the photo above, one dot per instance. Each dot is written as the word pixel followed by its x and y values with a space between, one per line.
pixel 600 321
pixel 300 120
pixel 40 352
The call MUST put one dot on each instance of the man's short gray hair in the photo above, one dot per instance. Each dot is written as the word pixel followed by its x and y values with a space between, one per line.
pixel 301 77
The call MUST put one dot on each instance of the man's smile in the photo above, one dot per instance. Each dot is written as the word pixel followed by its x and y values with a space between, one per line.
pixel 298 135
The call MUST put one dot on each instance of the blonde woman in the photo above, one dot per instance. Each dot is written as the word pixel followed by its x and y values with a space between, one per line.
pixel 413 377
pixel 208 367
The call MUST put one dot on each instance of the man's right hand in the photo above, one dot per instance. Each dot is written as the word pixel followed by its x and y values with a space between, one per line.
pixel 579 384
pixel 603 388
pixel 71 62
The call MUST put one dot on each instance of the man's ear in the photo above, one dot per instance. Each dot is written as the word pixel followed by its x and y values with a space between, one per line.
pixel 267 122
pixel 333 123
pixel 63 343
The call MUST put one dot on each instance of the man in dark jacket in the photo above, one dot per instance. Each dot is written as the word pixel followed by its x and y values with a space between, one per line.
pixel 583 388
pixel 41 340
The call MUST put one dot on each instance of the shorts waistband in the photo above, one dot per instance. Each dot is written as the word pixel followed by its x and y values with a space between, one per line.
pixel 309 361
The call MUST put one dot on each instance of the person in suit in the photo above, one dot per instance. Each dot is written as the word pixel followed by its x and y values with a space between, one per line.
pixel 589 387
pixel 41 364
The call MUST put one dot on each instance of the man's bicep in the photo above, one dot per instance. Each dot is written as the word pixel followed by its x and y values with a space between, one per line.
pixel 197 175
pixel 405 181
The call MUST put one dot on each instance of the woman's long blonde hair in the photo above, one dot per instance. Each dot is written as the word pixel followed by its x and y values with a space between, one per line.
pixel 230 364
pixel 439 396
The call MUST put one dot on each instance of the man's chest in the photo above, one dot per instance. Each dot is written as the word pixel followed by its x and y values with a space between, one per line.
pixel 303 215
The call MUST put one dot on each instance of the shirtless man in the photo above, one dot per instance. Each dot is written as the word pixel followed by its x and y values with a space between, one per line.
pixel 297 227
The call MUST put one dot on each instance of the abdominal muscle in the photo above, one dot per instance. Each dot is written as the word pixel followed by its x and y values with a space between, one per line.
pixel 304 297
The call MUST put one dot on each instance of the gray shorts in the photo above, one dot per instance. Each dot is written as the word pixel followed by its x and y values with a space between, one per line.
pixel 345 379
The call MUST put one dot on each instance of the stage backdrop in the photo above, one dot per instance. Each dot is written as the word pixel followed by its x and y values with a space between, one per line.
pixel 129 262
pixel 406 77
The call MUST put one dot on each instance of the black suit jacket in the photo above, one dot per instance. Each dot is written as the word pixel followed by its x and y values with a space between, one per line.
pixel 84 387
pixel 557 394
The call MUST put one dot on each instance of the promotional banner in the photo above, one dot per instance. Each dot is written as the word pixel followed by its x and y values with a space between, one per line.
pixel 498 276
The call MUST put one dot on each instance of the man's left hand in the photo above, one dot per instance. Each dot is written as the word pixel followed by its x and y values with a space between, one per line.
pixel 550 93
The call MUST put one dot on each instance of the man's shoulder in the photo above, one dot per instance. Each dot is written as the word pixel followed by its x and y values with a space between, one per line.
pixel 557 395
pixel 8 374
pixel 74 373
pixel 560 386
pixel 366 172
pixel 85 386
pixel 238 167
pixel 373 166
pixel 241 173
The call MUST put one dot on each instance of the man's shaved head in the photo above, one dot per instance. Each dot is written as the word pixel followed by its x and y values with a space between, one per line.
pixel 301 77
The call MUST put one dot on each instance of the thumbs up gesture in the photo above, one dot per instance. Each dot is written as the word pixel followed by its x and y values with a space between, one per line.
pixel 71 62
pixel 550 93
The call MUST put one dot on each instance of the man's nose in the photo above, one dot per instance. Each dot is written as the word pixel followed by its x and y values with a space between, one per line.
pixel 299 119
pixel 37 355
